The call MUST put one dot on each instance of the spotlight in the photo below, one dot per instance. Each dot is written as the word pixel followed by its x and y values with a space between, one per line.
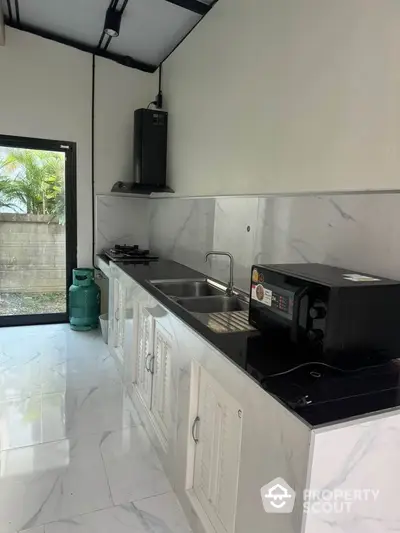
pixel 112 23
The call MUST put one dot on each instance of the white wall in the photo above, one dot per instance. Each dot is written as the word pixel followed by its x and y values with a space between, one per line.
pixel 289 95
pixel 45 91
pixel 119 91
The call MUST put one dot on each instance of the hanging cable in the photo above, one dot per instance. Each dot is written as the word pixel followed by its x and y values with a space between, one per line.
pixel 93 164
pixel 158 102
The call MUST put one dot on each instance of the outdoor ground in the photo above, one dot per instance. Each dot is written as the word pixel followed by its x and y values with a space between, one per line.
pixel 18 303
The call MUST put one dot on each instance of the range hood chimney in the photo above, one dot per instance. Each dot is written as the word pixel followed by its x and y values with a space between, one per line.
pixel 150 154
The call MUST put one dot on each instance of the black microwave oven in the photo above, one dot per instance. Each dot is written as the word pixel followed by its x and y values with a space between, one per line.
pixel 329 309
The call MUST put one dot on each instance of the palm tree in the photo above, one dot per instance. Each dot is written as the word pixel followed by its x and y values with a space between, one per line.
pixel 32 181
pixel 3 186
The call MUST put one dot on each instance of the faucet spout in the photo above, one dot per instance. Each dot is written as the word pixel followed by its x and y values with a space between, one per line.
pixel 229 289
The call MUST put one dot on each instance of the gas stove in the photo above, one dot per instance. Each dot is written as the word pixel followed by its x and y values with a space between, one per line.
pixel 129 254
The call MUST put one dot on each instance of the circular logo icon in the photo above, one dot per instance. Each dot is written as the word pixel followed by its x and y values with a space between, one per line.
pixel 260 292
pixel 255 275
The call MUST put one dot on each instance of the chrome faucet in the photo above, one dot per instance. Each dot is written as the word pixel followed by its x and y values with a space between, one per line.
pixel 229 289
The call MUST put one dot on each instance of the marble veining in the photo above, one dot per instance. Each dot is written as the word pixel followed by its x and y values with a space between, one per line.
pixel 355 231
pixel 73 453
pixel 356 457
pixel 121 220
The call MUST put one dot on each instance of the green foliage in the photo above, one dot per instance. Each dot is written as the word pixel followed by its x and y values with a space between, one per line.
pixel 32 181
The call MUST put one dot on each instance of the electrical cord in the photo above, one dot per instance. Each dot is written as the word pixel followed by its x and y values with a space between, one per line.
pixel 158 102
pixel 92 154
pixel 325 365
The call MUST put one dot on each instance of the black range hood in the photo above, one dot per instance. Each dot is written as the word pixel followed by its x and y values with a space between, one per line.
pixel 138 188
pixel 149 154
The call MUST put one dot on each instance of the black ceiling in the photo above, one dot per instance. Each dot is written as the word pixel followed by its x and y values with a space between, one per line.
pixel 150 29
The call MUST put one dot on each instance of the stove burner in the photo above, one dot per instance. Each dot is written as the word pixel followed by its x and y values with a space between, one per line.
pixel 124 252
pixel 126 248
pixel 131 251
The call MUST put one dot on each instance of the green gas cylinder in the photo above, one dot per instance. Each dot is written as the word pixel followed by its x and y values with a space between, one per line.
pixel 84 300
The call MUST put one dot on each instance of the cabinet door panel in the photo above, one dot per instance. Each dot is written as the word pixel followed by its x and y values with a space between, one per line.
pixel 162 381
pixel 217 453
pixel 120 320
pixel 143 374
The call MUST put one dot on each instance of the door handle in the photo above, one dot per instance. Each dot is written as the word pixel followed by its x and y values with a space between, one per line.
pixel 145 362
pixel 194 426
pixel 116 314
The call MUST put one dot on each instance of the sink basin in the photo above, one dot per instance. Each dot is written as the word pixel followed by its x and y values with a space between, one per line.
pixel 187 288
pixel 213 304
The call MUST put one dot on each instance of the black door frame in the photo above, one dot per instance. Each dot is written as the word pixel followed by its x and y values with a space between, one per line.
pixel 69 149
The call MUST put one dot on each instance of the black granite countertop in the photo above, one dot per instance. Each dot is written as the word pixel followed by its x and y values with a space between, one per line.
pixel 316 392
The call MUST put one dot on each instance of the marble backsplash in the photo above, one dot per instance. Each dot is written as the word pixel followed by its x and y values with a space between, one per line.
pixel 121 220
pixel 356 231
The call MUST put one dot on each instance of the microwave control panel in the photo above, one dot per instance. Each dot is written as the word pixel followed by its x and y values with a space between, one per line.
pixel 276 299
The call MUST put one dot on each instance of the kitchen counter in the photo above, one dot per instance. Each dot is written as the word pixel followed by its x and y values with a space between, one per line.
pixel 319 394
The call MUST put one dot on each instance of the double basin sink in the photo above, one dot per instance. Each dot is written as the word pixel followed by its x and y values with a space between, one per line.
pixel 201 296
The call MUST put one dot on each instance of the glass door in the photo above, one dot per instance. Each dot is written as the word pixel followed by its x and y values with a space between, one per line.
pixel 37 229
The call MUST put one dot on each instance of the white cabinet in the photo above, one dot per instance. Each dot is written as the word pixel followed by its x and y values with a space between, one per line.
pixel 116 314
pixel 160 404
pixel 153 371
pixel 217 431
pixel 144 362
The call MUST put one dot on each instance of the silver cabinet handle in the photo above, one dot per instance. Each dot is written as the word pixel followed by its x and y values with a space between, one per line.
pixel 145 362
pixel 152 364
pixel 194 425
pixel 116 314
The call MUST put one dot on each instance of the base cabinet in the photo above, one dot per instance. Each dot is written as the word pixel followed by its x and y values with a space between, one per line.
pixel 160 403
pixel 217 432
pixel 153 371
pixel 219 436
pixel 116 313
pixel 145 362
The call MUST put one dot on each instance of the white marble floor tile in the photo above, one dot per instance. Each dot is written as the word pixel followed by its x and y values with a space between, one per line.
pixel 19 381
pixel 133 468
pixel 71 441
pixel 51 417
pixel 53 481
pixel 52 359
pixel 21 422
pixel 98 409
pixel 161 514
pixel 79 373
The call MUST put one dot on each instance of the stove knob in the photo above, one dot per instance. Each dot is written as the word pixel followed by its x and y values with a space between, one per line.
pixel 317 311
pixel 315 335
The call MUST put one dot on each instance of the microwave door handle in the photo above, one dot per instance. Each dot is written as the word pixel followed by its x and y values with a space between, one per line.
pixel 294 335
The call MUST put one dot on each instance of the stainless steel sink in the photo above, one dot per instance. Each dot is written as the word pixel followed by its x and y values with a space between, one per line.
pixel 208 302
pixel 187 288
pixel 213 304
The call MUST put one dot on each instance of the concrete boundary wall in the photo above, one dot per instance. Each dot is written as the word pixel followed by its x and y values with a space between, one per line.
pixel 32 254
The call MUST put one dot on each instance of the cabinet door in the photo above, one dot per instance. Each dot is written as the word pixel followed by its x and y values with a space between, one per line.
pixel 160 403
pixel 144 376
pixel 217 454
pixel 119 329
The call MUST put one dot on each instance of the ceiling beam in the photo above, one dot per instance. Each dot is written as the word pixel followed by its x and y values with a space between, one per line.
pixel 192 5
pixel 2 32
pixel 127 61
